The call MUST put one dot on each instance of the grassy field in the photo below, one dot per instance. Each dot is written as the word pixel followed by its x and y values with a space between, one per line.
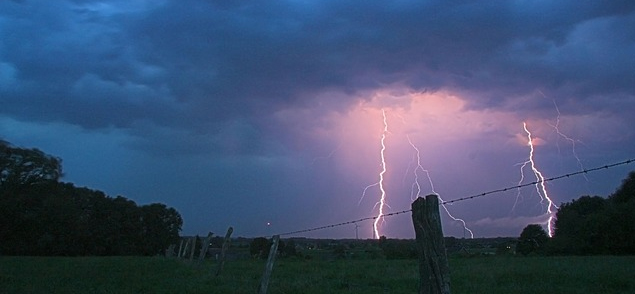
pixel 603 274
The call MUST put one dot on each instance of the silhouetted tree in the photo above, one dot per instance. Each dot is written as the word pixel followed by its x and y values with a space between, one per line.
pixel 126 228
pixel 533 239
pixel 626 192
pixel 621 217
pixel 41 216
pixel 595 225
pixel 22 167
pixel 160 227
pixel 580 227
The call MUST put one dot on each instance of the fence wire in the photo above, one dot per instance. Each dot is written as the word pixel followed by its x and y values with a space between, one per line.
pixel 584 171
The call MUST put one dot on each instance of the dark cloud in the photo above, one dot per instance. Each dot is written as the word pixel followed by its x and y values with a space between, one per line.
pixel 265 56
pixel 217 60
pixel 185 64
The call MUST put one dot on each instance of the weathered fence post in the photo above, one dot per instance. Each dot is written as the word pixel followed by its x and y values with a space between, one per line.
pixel 178 254
pixel 434 269
pixel 194 239
pixel 187 245
pixel 264 282
pixel 226 242
pixel 205 246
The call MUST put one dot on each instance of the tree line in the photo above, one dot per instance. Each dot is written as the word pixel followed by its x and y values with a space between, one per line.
pixel 589 225
pixel 40 215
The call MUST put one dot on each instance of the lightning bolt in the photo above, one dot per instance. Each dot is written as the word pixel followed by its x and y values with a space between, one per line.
pixel 327 156
pixel 416 186
pixel 382 199
pixel 540 181
pixel 415 189
pixel 556 127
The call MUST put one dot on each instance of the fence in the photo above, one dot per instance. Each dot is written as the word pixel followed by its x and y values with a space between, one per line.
pixel 433 263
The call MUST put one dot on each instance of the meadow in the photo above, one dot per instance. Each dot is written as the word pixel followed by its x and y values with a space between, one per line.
pixel 492 274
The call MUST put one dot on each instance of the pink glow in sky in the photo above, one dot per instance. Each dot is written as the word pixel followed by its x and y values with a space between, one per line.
pixel 452 139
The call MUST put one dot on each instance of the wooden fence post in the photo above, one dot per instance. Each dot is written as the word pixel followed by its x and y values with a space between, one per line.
pixel 205 246
pixel 226 242
pixel 194 239
pixel 178 254
pixel 434 270
pixel 264 282
pixel 187 245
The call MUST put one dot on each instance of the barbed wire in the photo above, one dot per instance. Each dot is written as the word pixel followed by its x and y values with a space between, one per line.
pixel 584 171
pixel 344 223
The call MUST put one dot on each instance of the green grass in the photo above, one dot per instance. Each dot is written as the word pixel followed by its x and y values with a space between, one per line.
pixel 591 274
pixel 98 275
pixel 603 274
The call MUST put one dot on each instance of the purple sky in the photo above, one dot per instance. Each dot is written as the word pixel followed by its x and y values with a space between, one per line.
pixel 271 111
